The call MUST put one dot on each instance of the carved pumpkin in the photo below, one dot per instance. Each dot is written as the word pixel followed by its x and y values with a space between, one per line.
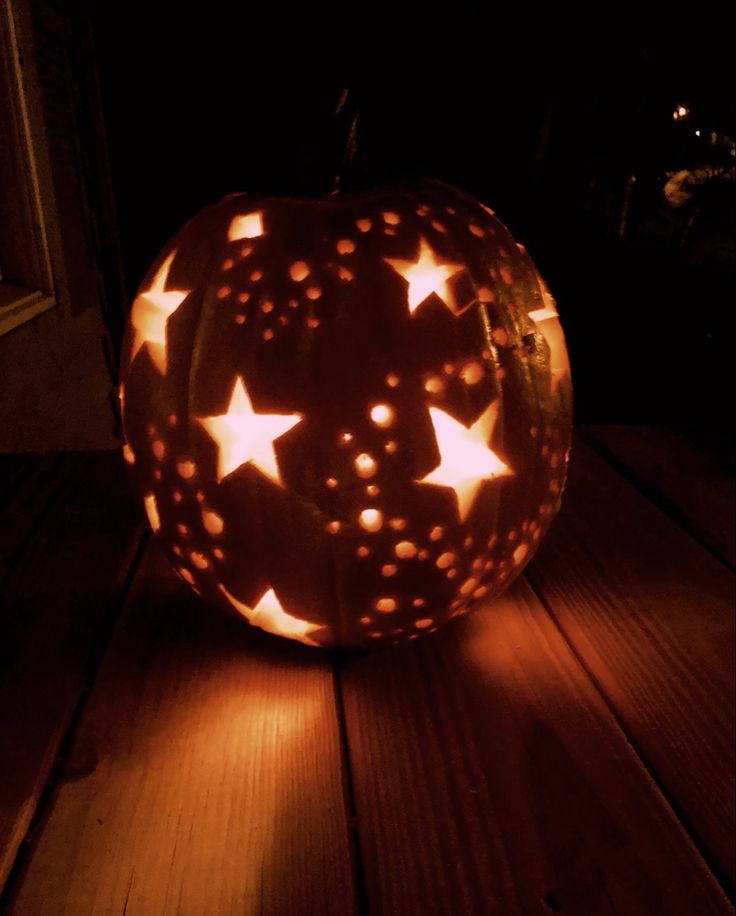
pixel 350 418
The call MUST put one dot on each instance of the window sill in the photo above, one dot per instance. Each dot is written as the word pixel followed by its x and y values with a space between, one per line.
pixel 18 305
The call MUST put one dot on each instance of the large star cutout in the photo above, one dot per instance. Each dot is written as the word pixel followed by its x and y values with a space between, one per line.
pixel 427 275
pixel 270 615
pixel 151 310
pixel 548 322
pixel 244 436
pixel 466 461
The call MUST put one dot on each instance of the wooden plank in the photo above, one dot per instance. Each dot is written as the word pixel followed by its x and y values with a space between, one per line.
pixel 693 484
pixel 205 778
pixel 69 531
pixel 650 613
pixel 490 777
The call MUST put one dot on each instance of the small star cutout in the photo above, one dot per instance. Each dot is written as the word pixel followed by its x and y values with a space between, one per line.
pixel 270 615
pixel 151 311
pixel 466 461
pixel 427 275
pixel 244 436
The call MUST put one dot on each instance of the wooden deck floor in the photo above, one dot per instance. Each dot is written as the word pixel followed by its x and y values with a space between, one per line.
pixel 567 749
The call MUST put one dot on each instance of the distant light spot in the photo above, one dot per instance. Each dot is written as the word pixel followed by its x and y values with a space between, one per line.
pixel 152 511
pixel 398 524
pixel 472 373
pixel 344 438
pixel 248 226
pixel 299 271
pixel 445 559
pixel 314 292
pixel 405 550
pixel 363 551
pixel 128 454
pixel 186 468
pixel 390 447
pixel 200 496
pixel 451 573
pixel 480 592
pixel 389 570
pixel 423 623
pixel 476 230
pixel 500 336
pixel 228 264
pixel 372 490
pixel 385 605
pixel 333 527
pixel 436 533
pixel 382 415
pixel 448 369
pixel 468 586
pixel 364 225
pixel 256 275
pixel 346 246
pixel 393 219
pixel 159 449
pixel 171 419
pixel 371 519
pixel 506 276
pixel 243 297
pixel 199 560
pixel 176 496
pixel 223 292
pixel 520 553
pixel 392 380
pixel 266 306
pixel 419 602
pixel 157 475
pixel 423 554
pixel 331 483
pixel 182 529
pixel 436 224
pixel 434 385
pixel 218 553
pixel 366 620
pixel 345 274
pixel 485 294
pixel 246 251
pixel 293 304
pixel 186 575
pixel 267 334
pixel 365 465
pixel 213 523
pixel 313 322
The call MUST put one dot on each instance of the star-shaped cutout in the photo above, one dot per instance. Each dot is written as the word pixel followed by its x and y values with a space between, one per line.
pixel 151 310
pixel 466 461
pixel 548 322
pixel 244 436
pixel 427 275
pixel 270 615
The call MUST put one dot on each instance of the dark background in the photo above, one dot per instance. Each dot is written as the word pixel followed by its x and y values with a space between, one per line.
pixel 550 131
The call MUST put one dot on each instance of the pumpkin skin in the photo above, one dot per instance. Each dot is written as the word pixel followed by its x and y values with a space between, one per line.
pixel 350 418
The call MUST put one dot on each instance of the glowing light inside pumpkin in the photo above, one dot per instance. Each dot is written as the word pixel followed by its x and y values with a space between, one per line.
pixel 152 511
pixel 382 415
pixel 466 460
pixel 248 226
pixel 270 615
pixel 246 437
pixel 371 519
pixel 427 275
pixel 150 313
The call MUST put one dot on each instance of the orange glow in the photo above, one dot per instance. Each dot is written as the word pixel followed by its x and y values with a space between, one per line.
pixel 269 615
pixel 152 511
pixel 371 519
pixel 427 275
pixel 128 454
pixel 249 226
pixel 466 460
pixel 299 271
pixel 244 436
pixel 365 465
pixel 382 415
pixel 151 311
pixel 212 522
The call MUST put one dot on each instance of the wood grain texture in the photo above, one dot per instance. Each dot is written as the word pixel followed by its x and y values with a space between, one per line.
pixel 490 778
pixel 651 615
pixel 694 485
pixel 206 775
pixel 69 532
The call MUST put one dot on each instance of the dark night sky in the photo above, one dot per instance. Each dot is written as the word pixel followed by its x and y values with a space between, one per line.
pixel 544 129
